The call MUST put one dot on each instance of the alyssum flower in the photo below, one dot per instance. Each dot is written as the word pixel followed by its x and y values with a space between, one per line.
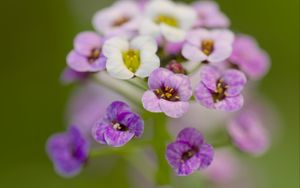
pixel 248 132
pixel 248 57
pixel 122 18
pixel 126 59
pixel 208 46
pixel 189 152
pixel 167 19
pixel 220 90
pixel 68 151
pixel 118 126
pixel 86 55
pixel 209 15
pixel 168 93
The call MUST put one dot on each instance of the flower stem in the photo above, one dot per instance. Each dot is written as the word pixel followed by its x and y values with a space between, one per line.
pixel 194 69
pixel 159 141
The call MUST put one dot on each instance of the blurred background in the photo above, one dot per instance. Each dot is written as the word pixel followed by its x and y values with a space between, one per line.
pixel 37 35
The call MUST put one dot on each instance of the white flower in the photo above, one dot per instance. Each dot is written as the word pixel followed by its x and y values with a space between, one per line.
pixel 126 59
pixel 122 18
pixel 163 17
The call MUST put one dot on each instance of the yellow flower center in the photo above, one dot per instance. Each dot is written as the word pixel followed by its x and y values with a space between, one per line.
pixel 207 46
pixel 167 93
pixel 94 55
pixel 169 20
pixel 220 93
pixel 132 60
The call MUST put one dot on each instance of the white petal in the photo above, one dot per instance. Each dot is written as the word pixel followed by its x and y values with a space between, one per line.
pixel 172 34
pixel 193 53
pixel 115 45
pixel 186 16
pixel 149 62
pixel 144 43
pixel 148 27
pixel 116 68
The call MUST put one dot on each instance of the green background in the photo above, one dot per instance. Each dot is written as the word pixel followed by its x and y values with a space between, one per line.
pixel 37 35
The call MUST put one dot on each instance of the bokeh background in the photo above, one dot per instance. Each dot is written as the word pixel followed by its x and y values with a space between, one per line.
pixel 37 35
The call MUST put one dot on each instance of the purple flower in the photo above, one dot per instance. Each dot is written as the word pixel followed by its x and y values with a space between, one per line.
pixel 86 55
pixel 119 125
pixel 248 132
pixel 220 90
pixel 249 58
pixel 189 152
pixel 69 76
pixel 208 46
pixel 68 151
pixel 209 15
pixel 168 93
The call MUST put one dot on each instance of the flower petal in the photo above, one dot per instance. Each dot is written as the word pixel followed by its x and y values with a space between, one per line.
pixel 230 104
pixel 151 102
pixel 98 131
pixel 85 42
pixel 117 138
pixel 133 122
pixel 193 53
pixel 172 34
pixel 149 62
pixel 157 77
pixel 115 108
pixel 209 77
pixel 191 136
pixel 235 81
pixel 174 109
pixel 203 96
pixel 205 154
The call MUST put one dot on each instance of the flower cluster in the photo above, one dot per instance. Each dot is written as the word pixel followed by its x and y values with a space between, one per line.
pixel 163 57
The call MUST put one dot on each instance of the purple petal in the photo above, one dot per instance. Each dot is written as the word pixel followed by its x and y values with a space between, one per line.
pixel 203 96
pixel 117 138
pixel 98 131
pixel 174 158
pixel 230 104
pixel 151 102
pixel 133 121
pixel 205 154
pixel 116 108
pixel 85 42
pixel 78 62
pixel 191 136
pixel 70 75
pixel 235 81
pixel 221 52
pixel 157 77
pixel 248 133
pixel 174 109
pixel 209 77
pixel 182 84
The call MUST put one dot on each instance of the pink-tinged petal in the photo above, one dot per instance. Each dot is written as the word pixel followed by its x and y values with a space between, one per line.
pixel 151 102
pixel 206 155
pixel 191 136
pixel 77 62
pixel 209 76
pixel 203 96
pixel 221 52
pixel 174 109
pixel 185 90
pixel 230 104
pixel 117 138
pixel 98 131
pixel 235 80
pixel 193 53
pixel 85 42
pixel 248 133
pixel 157 77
